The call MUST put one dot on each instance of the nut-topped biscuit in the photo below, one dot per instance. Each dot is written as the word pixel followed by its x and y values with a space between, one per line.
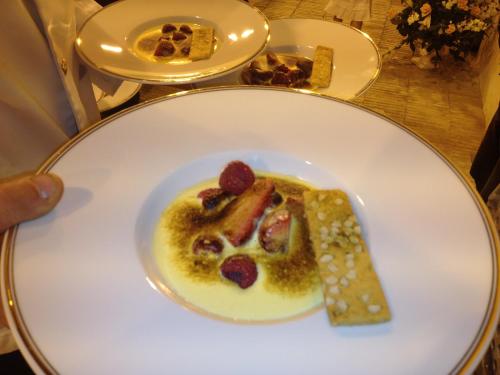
pixel 322 67
pixel 202 44
pixel 352 291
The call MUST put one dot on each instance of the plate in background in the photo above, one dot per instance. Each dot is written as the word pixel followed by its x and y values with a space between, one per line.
pixel 356 58
pixel 107 39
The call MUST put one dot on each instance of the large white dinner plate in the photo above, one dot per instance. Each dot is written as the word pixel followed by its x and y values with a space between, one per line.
pixel 106 41
pixel 356 60
pixel 83 298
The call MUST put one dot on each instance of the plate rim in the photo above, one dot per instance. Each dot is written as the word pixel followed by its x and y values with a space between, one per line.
pixel 467 362
pixel 167 80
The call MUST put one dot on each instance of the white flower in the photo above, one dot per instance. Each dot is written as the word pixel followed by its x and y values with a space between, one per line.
pixel 425 23
pixel 489 10
pixel 449 4
pixel 478 25
pixel 461 26
pixel 475 25
pixel 413 18
pixel 425 9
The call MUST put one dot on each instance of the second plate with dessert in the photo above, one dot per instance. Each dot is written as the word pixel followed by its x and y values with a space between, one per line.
pixel 356 58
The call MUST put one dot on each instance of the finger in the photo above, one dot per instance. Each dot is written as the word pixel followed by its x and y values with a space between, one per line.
pixel 28 197
pixel 17 176
pixel 3 319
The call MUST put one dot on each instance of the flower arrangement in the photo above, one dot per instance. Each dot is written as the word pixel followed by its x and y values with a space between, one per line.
pixel 457 26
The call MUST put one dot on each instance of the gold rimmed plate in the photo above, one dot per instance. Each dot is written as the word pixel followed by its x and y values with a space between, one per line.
pixel 110 40
pixel 82 296
pixel 356 61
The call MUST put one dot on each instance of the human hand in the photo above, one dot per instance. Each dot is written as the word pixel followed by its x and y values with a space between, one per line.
pixel 24 198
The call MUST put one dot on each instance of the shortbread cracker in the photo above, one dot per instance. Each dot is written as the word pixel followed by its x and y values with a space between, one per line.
pixel 322 67
pixel 352 291
pixel 201 43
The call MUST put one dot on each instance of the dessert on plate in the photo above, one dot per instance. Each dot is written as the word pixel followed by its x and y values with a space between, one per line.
pixel 291 70
pixel 176 43
pixel 252 246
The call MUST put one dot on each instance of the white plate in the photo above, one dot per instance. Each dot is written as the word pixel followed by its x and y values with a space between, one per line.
pixel 84 300
pixel 106 41
pixel 356 60
pixel 125 92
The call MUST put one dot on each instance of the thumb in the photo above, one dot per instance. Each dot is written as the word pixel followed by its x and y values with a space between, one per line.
pixel 28 197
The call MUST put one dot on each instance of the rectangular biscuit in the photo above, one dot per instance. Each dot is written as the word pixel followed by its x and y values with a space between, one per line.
pixel 322 67
pixel 201 43
pixel 352 291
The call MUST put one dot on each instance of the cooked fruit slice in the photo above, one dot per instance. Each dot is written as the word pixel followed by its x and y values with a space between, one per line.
pixel 245 211
pixel 207 243
pixel 274 231
pixel 210 198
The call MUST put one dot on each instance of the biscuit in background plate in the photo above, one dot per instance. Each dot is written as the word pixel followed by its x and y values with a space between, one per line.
pixel 321 75
pixel 202 43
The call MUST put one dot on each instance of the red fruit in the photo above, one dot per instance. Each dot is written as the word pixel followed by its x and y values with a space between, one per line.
pixel 241 269
pixel 178 36
pixel 274 231
pixel 280 78
pixel 186 29
pixel 164 48
pixel 168 28
pixel 236 177
pixel 210 198
pixel 282 68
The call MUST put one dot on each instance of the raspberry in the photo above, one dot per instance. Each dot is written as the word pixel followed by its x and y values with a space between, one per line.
pixel 241 269
pixel 164 48
pixel 168 28
pixel 178 36
pixel 280 78
pixel 236 177
pixel 186 29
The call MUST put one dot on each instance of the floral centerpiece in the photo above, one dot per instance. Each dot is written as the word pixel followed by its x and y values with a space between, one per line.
pixel 457 26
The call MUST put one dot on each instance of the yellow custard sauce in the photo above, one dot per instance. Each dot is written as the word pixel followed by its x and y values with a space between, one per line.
pixel 287 284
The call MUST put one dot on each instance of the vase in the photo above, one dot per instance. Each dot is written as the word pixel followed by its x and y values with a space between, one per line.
pixel 487 48
pixel 424 59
